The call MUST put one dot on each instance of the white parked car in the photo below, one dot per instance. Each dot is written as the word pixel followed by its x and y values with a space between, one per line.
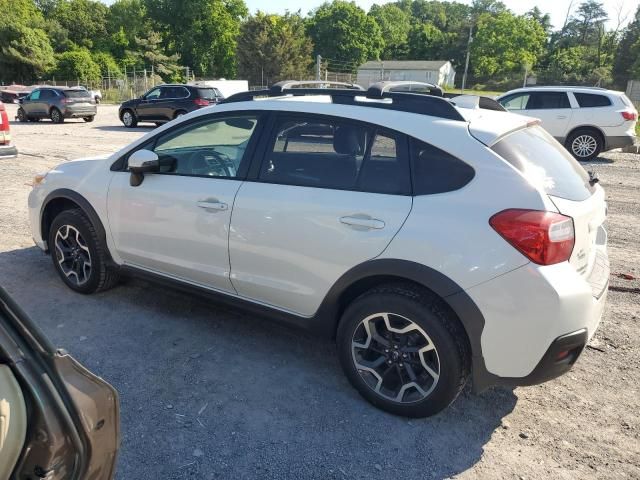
pixel 586 120
pixel 437 244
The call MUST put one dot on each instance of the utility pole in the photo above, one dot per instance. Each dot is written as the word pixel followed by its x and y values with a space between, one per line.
pixel 466 62
pixel 318 66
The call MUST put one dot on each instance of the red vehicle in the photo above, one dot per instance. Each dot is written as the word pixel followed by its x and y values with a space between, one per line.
pixel 6 149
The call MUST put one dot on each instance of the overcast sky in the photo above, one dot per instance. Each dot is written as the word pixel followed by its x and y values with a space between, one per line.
pixel 556 8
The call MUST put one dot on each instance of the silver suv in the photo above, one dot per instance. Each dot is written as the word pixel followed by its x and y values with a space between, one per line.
pixel 57 103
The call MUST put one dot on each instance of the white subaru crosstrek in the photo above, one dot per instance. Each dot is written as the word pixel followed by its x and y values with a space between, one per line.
pixel 436 241
pixel 586 120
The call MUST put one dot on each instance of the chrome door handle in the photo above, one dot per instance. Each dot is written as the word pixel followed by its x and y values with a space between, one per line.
pixel 362 222
pixel 561 117
pixel 213 205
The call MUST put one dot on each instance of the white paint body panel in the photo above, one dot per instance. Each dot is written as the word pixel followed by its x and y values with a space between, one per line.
pixel 288 246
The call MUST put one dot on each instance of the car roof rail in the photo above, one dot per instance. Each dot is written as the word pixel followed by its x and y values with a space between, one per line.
pixel 380 88
pixel 376 96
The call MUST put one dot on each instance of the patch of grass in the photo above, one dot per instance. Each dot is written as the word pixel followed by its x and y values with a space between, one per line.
pixel 482 93
pixel 638 129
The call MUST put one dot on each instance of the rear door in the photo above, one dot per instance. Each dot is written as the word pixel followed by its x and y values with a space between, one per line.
pixel 57 420
pixel 553 108
pixel 328 195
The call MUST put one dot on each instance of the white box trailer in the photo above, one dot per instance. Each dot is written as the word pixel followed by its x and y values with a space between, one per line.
pixel 226 87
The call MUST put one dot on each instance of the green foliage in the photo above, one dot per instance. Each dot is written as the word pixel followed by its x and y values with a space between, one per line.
pixel 84 20
pixel 274 47
pixel 202 32
pixel 395 25
pixel 107 64
pixel 506 43
pixel 77 64
pixel 25 49
pixel 149 54
pixel 627 58
pixel 342 31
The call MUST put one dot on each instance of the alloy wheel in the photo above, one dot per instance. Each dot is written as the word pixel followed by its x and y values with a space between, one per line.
pixel 55 116
pixel 73 254
pixel 395 357
pixel 584 146
pixel 127 119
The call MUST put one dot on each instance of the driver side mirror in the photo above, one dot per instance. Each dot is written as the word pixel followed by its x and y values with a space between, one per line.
pixel 141 162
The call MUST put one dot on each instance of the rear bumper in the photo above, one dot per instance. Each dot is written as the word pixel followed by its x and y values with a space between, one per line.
pixel 71 112
pixel 620 141
pixel 8 151
pixel 533 313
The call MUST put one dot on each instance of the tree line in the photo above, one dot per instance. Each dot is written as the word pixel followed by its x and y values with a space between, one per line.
pixel 86 39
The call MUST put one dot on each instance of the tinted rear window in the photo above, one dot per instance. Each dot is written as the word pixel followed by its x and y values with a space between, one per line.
pixel 436 171
pixel 545 163
pixel 208 93
pixel 586 100
pixel 76 93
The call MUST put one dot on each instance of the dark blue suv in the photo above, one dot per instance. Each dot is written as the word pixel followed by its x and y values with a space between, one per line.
pixel 166 102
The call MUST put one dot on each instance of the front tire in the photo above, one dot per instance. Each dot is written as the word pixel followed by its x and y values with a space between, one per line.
pixel 56 116
pixel 585 144
pixel 179 113
pixel 22 115
pixel 129 119
pixel 89 119
pixel 79 255
pixel 404 350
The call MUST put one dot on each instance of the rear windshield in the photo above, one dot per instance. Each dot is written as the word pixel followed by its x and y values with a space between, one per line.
pixel 76 93
pixel 209 93
pixel 545 163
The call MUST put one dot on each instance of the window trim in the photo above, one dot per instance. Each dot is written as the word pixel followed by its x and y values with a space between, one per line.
pixel 278 117
pixel 120 165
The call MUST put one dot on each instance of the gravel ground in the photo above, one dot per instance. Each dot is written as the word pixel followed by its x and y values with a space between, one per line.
pixel 208 392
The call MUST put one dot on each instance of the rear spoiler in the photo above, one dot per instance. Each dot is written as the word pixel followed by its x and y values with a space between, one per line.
pixel 474 102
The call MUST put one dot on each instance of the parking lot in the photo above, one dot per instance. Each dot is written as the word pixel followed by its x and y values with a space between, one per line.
pixel 209 392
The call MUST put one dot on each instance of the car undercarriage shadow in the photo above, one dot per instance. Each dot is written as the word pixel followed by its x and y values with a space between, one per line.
pixel 206 389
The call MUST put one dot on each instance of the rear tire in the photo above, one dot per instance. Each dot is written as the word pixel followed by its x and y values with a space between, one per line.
pixel 89 119
pixel 179 113
pixel 585 144
pixel 56 115
pixel 129 119
pixel 79 255
pixel 404 350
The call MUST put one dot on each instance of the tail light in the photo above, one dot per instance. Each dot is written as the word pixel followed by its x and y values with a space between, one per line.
pixel 201 102
pixel 544 238
pixel 65 100
pixel 5 136
pixel 629 115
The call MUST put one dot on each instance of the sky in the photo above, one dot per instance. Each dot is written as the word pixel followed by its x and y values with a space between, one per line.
pixel 556 8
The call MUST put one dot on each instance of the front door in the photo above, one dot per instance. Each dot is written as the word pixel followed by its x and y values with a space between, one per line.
pixel 329 195
pixel 176 222
pixel 32 104
pixel 147 108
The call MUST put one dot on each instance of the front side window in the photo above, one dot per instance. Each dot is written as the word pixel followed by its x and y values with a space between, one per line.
pixel 516 101
pixel 548 100
pixel 153 94
pixel 35 95
pixel 210 148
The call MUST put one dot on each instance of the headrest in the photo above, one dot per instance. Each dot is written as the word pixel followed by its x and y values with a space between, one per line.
pixel 345 141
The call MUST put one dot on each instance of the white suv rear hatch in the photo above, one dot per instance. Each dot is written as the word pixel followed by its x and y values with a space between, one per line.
pixel 546 164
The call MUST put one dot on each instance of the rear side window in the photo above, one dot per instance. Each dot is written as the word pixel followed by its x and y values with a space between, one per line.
pixel 545 163
pixel 340 155
pixel 548 100
pixel 436 171
pixel 76 93
pixel 586 100
pixel 47 94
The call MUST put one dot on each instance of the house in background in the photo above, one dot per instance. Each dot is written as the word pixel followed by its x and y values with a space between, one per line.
pixel 440 72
